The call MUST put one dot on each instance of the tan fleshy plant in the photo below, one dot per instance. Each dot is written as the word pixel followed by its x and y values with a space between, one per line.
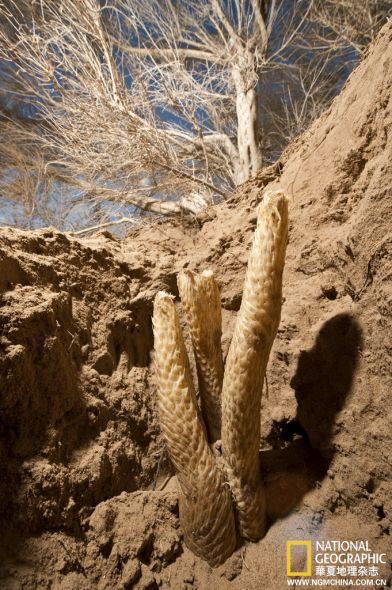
pixel 206 509
pixel 200 298
pixel 210 487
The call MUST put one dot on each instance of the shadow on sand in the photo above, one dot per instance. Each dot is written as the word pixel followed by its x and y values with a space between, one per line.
pixel 322 383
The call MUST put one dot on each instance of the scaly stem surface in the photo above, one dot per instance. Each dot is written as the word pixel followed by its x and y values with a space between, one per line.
pixel 206 510
pixel 201 300
pixel 256 326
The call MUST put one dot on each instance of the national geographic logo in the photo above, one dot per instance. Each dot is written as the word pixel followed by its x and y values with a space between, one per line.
pixel 341 559
pixel 306 548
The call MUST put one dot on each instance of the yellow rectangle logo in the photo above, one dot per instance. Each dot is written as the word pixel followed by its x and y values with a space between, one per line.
pixel 308 570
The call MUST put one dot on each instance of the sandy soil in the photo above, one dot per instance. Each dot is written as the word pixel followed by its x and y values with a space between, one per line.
pixel 86 494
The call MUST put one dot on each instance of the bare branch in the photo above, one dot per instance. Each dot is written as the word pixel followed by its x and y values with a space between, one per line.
pixel 349 22
pixel 94 228
pixel 107 106
pixel 260 22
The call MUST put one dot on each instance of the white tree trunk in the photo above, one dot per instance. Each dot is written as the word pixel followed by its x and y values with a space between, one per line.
pixel 250 158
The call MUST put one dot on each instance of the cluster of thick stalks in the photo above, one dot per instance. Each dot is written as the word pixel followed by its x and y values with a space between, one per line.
pixel 221 494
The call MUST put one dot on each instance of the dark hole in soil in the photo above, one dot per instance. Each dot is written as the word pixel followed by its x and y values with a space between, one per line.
pixel 329 292
pixel 380 512
pixel 107 548
pixel 370 486
pixel 145 553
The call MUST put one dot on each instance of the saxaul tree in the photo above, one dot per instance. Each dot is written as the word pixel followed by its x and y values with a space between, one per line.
pixel 152 104
pixel 159 105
